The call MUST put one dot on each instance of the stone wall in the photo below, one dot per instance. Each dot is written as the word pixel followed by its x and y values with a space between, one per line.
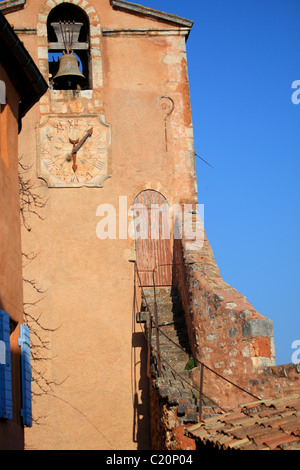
pixel 226 333
pixel 220 319
pixel 167 433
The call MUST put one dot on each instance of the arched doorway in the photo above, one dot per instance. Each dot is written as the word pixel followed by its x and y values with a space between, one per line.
pixel 153 239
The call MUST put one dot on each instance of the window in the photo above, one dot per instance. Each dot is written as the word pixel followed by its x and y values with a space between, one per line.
pixel 24 343
pixel 6 403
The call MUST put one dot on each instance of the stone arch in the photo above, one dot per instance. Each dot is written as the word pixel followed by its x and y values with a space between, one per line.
pixel 47 6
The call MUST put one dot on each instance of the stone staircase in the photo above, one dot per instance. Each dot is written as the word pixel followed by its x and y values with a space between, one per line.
pixel 175 383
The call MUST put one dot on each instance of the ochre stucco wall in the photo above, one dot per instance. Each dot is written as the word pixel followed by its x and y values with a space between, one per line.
pixel 91 393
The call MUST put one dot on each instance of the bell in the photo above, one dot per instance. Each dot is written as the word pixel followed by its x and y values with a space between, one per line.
pixel 68 71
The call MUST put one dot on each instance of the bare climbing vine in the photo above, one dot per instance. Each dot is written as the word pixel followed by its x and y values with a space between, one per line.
pixel 32 205
pixel 30 201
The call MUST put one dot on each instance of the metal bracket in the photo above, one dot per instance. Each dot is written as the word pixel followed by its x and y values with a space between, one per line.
pixel 67 30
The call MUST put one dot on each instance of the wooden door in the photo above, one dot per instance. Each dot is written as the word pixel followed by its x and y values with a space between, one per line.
pixel 152 238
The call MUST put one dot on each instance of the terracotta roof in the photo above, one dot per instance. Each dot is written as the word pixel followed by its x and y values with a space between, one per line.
pixel 263 425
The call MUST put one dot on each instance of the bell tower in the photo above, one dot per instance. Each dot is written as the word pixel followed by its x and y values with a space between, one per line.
pixel 73 121
pixel 113 128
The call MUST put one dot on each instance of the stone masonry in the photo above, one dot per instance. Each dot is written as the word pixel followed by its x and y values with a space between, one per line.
pixel 227 334
pixel 174 397
pixel 204 319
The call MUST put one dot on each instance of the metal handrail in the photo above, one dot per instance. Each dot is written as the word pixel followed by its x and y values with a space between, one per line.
pixel 136 271
pixel 158 329
pixel 201 394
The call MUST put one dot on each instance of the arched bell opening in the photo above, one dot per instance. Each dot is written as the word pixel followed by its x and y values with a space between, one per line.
pixel 69 48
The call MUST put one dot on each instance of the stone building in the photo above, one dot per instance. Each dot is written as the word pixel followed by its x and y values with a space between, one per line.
pixel 121 253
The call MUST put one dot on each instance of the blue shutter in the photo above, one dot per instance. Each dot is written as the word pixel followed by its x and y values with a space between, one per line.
pixel 6 403
pixel 24 343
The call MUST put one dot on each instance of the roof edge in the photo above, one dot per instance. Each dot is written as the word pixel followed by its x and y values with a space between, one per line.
pixel 9 6
pixel 29 81
pixel 134 8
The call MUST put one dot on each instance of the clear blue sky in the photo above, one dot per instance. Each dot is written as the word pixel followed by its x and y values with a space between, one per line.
pixel 243 57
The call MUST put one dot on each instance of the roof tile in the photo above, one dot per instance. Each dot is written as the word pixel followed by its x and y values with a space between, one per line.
pixel 262 425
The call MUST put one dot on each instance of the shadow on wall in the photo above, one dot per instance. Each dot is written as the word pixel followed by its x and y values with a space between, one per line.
pixel 141 419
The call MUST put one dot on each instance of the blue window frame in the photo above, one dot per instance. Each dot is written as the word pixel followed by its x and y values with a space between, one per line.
pixel 24 343
pixel 6 403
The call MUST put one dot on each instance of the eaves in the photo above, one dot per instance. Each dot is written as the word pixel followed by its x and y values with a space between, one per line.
pixel 20 68
pixel 8 6
pixel 150 13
